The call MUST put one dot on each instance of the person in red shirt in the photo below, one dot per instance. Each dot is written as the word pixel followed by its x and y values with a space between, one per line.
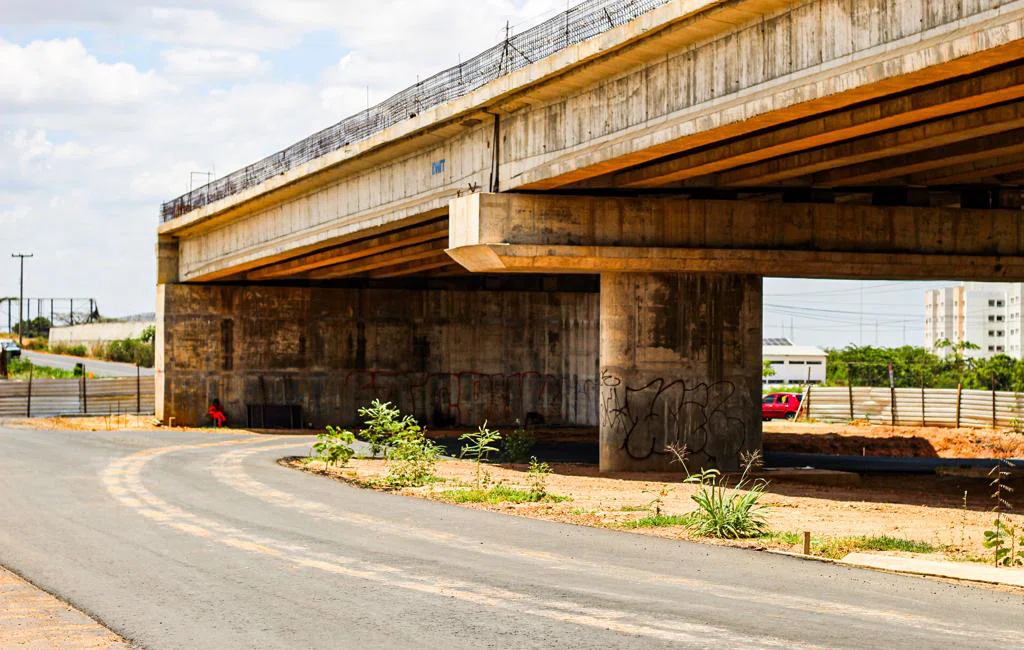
pixel 216 413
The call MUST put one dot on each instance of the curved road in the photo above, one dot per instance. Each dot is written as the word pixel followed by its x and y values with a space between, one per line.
pixel 97 367
pixel 202 541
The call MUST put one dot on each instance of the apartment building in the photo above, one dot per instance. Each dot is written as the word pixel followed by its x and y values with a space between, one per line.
pixel 985 314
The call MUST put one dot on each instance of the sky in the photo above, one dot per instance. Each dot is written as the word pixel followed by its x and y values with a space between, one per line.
pixel 110 107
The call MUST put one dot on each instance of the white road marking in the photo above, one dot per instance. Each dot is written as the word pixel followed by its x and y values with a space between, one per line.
pixel 123 481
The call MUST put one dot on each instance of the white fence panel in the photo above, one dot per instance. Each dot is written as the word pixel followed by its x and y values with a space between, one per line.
pixel 915 406
pixel 52 397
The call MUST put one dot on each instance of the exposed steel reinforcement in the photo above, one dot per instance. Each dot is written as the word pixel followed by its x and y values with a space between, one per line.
pixel 578 24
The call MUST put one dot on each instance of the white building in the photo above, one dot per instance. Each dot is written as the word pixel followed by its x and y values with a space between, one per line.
pixel 983 313
pixel 793 364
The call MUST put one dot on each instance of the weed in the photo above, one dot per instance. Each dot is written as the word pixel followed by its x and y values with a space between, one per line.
pixel 518 444
pixel 1002 538
pixel 537 476
pixel 19 369
pixel 496 494
pixel 886 543
pixel 790 539
pixel 653 521
pixel 726 513
pixel 658 502
pixel 478 446
pixel 633 509
pixel 72 350
pixel 334 446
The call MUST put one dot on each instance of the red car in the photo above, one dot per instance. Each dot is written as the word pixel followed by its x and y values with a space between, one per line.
pixel 779 405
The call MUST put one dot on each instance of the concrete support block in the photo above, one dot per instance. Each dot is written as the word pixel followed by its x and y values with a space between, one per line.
pixel 166 259
pixel 680 364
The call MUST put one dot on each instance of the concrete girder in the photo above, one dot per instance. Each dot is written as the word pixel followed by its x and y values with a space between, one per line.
pixel 417 267
pixel 396 257
pixel 932 134
pixel 998 167
pixel 517 233
pixel 931 103
pixel 992 146
pixel 352 251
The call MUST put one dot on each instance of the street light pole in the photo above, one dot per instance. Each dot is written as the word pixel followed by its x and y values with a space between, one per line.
pixel 21 296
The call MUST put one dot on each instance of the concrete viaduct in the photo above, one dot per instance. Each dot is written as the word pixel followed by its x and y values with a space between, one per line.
pixel 582 239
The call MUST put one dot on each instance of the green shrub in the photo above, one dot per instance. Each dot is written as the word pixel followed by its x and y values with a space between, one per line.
pixel 384 425
pixel 411 460
pixel 72 350
pixel 334 446
pixel 134 351
pixel 518 445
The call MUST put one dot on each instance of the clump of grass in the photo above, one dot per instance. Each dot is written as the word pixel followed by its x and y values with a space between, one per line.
pixel 657 521
pixel 633 509
pixel 787 538
pixel 497 494
pixel 886 543
pixel 839 547
pixel 722 512
pixel 19 369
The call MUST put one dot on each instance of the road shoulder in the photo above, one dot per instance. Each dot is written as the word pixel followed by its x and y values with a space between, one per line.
pixel 30 619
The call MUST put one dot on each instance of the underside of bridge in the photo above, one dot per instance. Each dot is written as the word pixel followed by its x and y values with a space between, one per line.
pixel 620 290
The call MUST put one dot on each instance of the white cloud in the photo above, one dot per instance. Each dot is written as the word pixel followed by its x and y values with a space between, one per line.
pixel 62 72
pixel 101 125
pixel 212 65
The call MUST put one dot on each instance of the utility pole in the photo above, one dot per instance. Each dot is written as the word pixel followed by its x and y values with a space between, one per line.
pixel 21 295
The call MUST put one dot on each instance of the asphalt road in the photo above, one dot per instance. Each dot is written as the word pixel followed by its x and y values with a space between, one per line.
pixel 202 541
pixel 94 366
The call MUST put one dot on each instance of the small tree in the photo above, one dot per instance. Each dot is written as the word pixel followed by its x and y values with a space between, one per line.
pixel 384 425
pixel 767 370
pixel 334 446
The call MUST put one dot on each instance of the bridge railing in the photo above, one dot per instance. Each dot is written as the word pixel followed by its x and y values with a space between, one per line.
pixel 570 27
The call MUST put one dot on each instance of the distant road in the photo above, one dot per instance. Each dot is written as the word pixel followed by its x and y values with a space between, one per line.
pixel 94 366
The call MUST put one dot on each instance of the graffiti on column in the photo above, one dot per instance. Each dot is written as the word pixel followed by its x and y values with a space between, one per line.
pixel 647 416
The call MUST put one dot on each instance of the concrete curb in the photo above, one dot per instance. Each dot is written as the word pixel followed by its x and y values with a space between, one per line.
pixel 969 571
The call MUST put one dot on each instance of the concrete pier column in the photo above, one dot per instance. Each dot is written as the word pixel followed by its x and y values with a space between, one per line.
pixel 680 363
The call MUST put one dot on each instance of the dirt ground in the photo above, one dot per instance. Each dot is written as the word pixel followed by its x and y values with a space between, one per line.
pixel 118 422
pixel 859 439
pixel 919 508
pixel 31 619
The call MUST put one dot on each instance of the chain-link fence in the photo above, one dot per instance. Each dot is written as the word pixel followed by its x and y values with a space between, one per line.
pixel 579 23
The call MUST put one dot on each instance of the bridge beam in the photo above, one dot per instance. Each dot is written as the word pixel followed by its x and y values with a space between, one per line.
pixel 521 233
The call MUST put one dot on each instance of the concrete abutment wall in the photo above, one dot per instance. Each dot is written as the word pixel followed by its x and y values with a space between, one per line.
pixel 448 356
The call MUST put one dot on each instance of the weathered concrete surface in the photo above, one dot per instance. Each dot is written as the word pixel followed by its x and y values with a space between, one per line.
pixel 680 364
pixel 543 233
pixel 447 356
pixel 706 73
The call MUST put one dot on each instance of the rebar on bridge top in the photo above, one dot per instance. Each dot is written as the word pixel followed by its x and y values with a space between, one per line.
pixel 579 23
